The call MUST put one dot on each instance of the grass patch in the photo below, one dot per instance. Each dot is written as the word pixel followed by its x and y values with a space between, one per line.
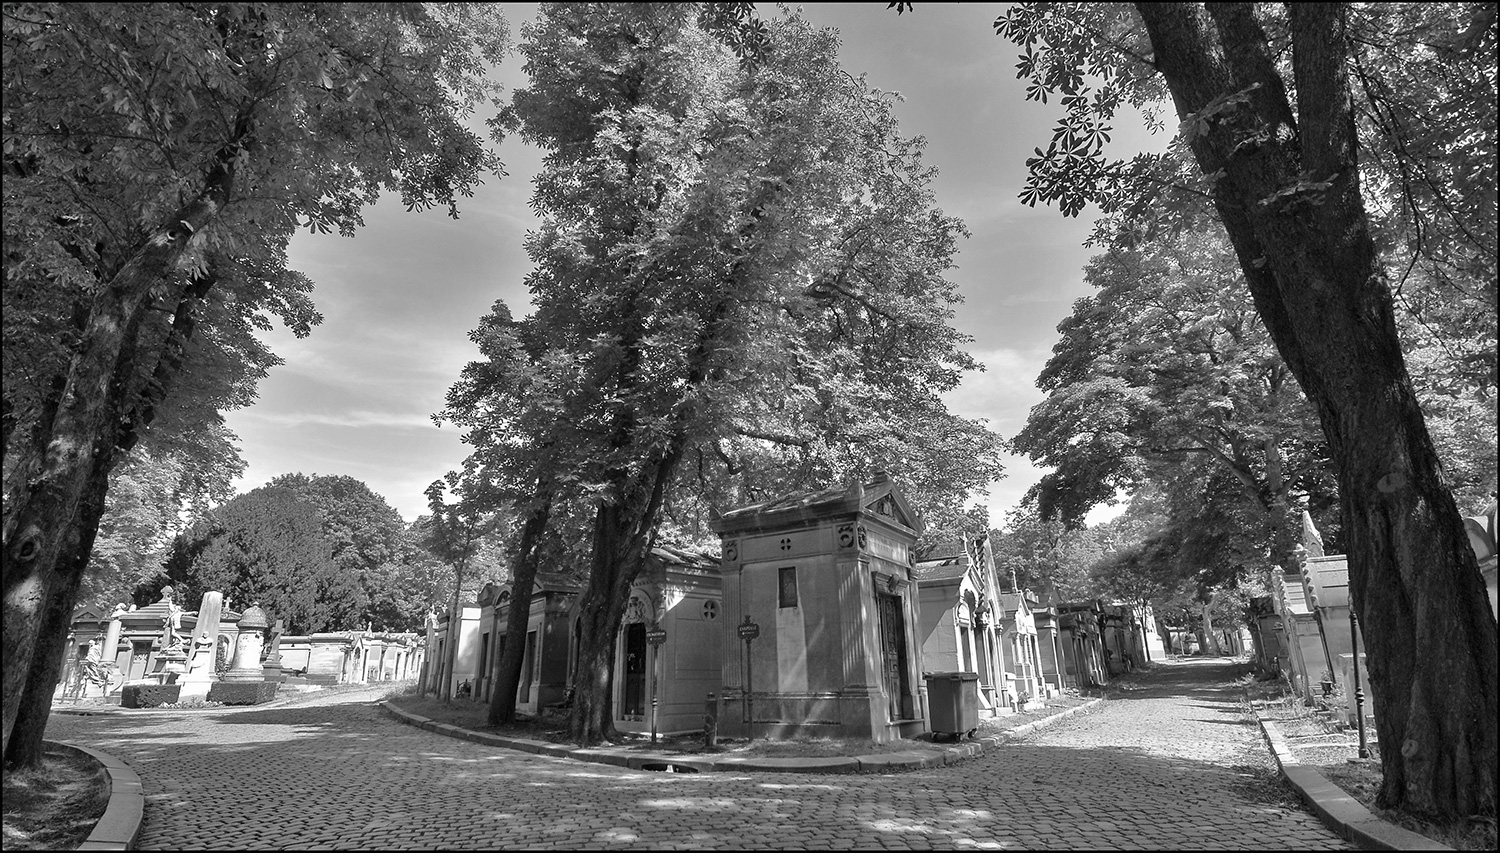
pixel 55 806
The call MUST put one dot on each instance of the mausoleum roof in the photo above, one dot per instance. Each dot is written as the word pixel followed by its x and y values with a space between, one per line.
pixel 942 568
pixel 1011 601
pixel 685 556
pixel 555 582
pixel 878 498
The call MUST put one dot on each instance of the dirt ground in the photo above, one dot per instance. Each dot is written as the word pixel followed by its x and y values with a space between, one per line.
pixel 56 806
pixel 1319 740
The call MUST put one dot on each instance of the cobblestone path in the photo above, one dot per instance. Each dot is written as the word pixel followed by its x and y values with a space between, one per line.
pixel 1167 765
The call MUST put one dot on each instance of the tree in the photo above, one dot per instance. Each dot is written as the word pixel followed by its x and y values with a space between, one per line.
pixel 267 548
pixel 1301 118
pixel 455 534
pixel 1044 555
pixel 152 498
pixel 1167 364
pixel 369 542
pixel 739 262
pixel 153 155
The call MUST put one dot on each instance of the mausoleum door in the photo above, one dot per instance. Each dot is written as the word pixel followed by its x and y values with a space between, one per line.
pixel 635 670
pixel 893 652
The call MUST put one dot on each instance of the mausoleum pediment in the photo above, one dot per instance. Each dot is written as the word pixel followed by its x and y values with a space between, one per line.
pixel 879 498
pixel 883 499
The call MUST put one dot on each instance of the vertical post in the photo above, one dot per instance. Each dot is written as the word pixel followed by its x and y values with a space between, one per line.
pixel 655 637
pixel 748 631
pixel 1359 693
pixel 749 682
pixel 711 722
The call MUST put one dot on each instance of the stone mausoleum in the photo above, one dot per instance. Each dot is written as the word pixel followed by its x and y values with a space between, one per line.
pixel 819 616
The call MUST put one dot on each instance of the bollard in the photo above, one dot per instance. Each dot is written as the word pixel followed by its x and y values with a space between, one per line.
pixel 711 722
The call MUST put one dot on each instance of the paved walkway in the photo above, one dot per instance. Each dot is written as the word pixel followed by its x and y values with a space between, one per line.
pixel 1168 766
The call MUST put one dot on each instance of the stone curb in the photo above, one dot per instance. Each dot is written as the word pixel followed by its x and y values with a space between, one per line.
pixel 120 825
pixel 1334 806
pixel 1021 731
pixel 881 763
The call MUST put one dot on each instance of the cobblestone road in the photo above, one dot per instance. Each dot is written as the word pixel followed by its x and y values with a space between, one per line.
pixel 1169 765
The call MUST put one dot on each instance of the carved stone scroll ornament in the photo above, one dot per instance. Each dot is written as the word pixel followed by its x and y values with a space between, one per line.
pixel 846 535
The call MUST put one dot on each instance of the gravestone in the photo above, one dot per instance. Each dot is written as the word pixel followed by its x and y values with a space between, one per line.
pixel 247 653
pixel 200 675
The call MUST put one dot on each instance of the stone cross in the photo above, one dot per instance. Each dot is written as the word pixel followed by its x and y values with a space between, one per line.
pixel 272 666
pixel 276 631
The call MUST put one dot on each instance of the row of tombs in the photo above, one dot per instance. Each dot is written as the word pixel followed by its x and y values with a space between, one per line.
pixel 1305 630
pixel 164 644
pixel 816 619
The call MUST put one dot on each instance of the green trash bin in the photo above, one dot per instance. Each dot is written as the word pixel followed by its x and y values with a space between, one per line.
pixel 953 702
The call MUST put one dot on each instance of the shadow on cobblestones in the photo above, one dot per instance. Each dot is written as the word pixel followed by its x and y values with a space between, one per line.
pixel 340 775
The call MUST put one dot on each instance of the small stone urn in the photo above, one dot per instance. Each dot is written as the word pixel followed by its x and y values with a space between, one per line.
pixel 247 650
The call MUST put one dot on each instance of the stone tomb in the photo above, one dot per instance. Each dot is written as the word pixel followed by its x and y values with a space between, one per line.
pixel 546 661
pixel 960 621
pixel 668 654
pixel 1481 530
pixel 1079 624
pixel 819 621
pixel 1300 634
pixel 1023 679
pixel 141 645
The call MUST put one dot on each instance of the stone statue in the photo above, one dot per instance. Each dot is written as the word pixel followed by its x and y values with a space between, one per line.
pixel 172 622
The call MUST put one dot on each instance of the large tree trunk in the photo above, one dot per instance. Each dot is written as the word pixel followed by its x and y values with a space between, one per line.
pixel 522 585
pixel 25 747
pixel 53 510
pixel 1210 633
pixel 1290 201
pixel 623 535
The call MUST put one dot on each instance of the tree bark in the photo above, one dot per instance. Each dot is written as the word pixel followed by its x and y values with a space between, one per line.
pixel 623 535
pixel 1210 633
pixel 55 508
pixel 25 747
pixel 450 649
pixel 522 586
pixel 1289 198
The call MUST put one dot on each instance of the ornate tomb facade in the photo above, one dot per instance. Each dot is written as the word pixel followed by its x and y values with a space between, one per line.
pixel 819 616
pixel 959 628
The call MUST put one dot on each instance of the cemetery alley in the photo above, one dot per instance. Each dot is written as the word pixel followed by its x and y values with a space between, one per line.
pixel 1167 762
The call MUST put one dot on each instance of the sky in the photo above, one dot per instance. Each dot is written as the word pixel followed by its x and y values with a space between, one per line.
pixel 399 298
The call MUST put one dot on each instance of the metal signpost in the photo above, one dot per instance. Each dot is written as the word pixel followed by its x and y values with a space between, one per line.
pixel 748 632
pixel 655 636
